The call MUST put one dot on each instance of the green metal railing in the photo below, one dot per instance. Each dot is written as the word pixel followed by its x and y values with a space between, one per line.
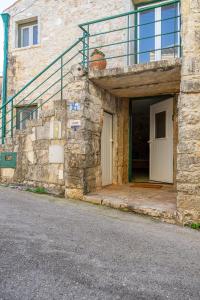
pixel 132 39
pixel 48 85
pixel 124 38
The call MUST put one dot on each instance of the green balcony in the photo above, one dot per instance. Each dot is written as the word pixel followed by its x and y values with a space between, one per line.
pixel 139 53
pixel 148 34
pixel 141 48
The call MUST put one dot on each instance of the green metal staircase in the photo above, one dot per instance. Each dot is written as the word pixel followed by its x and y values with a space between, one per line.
pixel 51 82
pixel 48 85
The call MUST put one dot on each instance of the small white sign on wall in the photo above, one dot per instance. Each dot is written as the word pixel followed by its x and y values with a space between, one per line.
pixel 56 154
pixel 74 124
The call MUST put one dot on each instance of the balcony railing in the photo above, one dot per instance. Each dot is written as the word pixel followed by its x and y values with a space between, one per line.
pixel 147 34
pixel 150 33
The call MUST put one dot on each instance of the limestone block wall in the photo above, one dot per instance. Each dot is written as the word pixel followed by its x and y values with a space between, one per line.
pixel 40 151
pixel 61 150
pixel 83 147
pixel 188 157
pixel 58 28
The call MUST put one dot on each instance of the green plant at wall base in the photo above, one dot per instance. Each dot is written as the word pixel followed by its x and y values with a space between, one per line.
pixel 38 190
pixel 195 226
pixel 97 51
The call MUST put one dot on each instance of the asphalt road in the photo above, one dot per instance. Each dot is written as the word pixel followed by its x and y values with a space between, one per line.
pixel 56 249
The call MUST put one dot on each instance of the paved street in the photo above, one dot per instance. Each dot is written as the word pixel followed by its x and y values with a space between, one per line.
pixel 51 248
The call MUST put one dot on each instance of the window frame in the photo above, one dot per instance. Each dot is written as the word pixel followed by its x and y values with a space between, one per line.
pixel 30 26
pixel 20 121
pixel 158 17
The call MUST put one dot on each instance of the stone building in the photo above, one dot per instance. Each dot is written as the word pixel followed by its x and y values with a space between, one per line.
pixel 128 131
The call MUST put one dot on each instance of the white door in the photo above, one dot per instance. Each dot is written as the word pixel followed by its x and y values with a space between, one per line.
pixel 161 141
pixel 106 149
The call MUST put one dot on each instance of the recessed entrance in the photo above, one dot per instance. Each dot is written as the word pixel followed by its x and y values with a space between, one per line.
pixel 151 140
pixel 150 157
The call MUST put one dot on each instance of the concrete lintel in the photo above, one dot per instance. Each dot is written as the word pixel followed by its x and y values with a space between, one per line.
pixel 154 78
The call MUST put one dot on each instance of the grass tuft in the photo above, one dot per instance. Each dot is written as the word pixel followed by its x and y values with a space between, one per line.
pixel 37 190
pixel 195 226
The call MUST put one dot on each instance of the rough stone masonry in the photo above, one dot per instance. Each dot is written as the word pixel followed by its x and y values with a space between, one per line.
pixel 188 160
pixel 76 170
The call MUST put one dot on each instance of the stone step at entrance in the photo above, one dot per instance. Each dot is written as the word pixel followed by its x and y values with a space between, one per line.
pixel 157 203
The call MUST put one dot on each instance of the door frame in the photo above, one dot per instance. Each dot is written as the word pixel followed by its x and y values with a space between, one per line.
pixel 130 136
pixel 111 114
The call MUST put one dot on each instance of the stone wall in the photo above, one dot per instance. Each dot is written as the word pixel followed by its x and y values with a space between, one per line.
pixel 58 29
pixel 40 152
pixel 83 148
pixel 80 170
pixel 61 150
pixel 188 160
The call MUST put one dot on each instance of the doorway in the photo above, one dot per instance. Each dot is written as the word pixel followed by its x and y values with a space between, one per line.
pixel 151 140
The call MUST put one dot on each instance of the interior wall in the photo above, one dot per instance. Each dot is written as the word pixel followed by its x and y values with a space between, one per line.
pixel 140 137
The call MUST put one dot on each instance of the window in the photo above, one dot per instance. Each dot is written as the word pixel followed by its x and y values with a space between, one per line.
pixel 23 114
pixel 28 34
pixel 158 33
pixel 160 125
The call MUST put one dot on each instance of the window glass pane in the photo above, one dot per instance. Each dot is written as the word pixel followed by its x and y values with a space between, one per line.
pixel 25 37
pixel 160 125
pixel 23 114
pixel 27 34
pixel 169 26
pixel 146 36
pixel 35 35
pixel 17 119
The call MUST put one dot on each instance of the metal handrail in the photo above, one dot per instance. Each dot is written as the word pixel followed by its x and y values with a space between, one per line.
pixel 42 72
pixel 127 14
pixel 134 40
pixel 136 53
pixel 5 122
pixel 37 87
pixel 85 53
pixel 91 44
pixel 133 26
